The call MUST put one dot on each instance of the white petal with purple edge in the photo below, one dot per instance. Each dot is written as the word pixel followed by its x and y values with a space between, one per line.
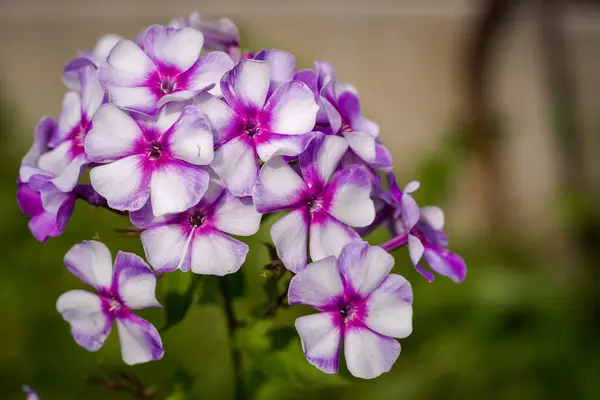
pixel 91 262
pixel 57 159
pixel 364 267
pixel 90 326
pixel 69 176
pixel 104 45
pixel 321 158
pixel 433 216
pixel 92 94
pixel 246 85
pixel 321 340
pixel 236 215
pixel 349 195
pixel 236 164
pixel 291 109
pixel 214 253
pixel 69 118
pixel 209 70
pixel 415 249
pixel 269 145
pixel 220 115
pixel 410 212
pixel 166 247
pixel 143 218
pixel 388 308
pixel 135 282
pixel 290 237
pixel 363 144
pixel 113 135
pixel 140 341
pixel 191 138
pixel 283 65
pixel 318 285
pixel 278 187
pixel 179 48
pixel 447 264
pixel 140 99
pixel 176 186
pixel 126 65
pixel 123 183
pixel 368 354
pixel 328 237
pixel 43 133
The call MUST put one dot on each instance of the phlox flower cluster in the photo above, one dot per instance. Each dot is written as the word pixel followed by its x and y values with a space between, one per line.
pixel 194 139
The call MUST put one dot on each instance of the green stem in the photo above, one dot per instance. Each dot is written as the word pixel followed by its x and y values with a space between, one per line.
pixel 232 325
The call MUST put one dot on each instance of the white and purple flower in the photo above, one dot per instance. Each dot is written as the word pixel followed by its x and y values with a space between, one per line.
pixel 361 303
pixel 422 229
pixel 130 286
pixel 169 68
pixel 324 205
pixel 155 158
pixel 67 159
pixel 95 58
pixel 249 124
pixel 197 238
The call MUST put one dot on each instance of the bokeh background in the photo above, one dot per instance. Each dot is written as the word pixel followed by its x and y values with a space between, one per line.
pixel 493 105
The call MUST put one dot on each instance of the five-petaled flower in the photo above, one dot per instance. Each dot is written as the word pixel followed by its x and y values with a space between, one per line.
pixel 250 125
pixel 422 229
pixel 360 302
pixel 129 287
pixel 167 69
pixel 155 158
pixel 323 204
pixel 195 239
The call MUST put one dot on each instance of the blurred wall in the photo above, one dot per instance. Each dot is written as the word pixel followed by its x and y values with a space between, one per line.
pixel 405 57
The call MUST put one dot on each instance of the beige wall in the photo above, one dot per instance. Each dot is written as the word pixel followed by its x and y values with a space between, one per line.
pixel 404 57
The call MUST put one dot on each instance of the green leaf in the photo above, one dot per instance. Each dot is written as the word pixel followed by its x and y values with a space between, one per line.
pixel 180 294
pixel 277 353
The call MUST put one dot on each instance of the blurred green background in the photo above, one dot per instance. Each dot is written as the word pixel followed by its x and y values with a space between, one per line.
pixel 524 325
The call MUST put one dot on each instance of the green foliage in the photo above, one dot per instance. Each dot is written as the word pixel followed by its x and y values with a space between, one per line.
pixel 180 294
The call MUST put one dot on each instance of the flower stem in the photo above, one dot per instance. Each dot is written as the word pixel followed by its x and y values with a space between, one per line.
pixel 395 243
pixel 232 325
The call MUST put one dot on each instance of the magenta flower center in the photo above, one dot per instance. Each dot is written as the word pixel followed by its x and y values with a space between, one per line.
pixel 252 128
pixel 167 85
pixel 154 150
pixel 197 219
pixel 348 311
pixel 314 204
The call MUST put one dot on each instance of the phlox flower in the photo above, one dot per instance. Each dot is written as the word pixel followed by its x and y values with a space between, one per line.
pixel 155 157
pixel 422 229
pixel 250 124
pixel 129 287
pixel 67 158
pixel 30 393
pixel 197 238
pixel 167 69
pixel 324 203
pixel 358 301
pixel 95 58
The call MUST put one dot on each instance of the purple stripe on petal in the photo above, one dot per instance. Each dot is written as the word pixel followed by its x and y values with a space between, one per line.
pixel 319 285
pixel 446 263
pixel 369 354
pixel 245 87
pixel 321 340
pixel 29 200
pixel 134 283
pixel 321 158
pixel 140 341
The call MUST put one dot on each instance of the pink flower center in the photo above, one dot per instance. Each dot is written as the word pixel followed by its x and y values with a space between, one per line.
pixel 252 128
pixel 167 85
pixel 314 204
pixel 154 150
pixel 197 219
pixel 114 304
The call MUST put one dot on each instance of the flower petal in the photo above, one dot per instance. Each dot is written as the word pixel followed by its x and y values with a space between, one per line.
pixel 221 117
pixel 140 341
pixel 321 340
pixel 349 106
pixel 113 135
pixel 282 63
pixel 236 164
pixel 190 139
pixel 207 71
pixel 369 354
pixel 328 236
pixel 321 158
pixel 363 144
pixel 43 133
pixel 409 211
pixel 446 263
pixel 290 237
pixel 92 93
pixel 269 145
pixel 167 247
pixel 143 218
pixel 56 160
pixel 433 216
pixel 246 85
pixel 127 65
pixel 178 48
pixel 69 176
pixel 348 197
pixel 415 249
pixel 291 110
pixel 84 311
pixel 278 187
pixel 123 183
pixel 364 267
pixel 134 281
pixel 177 186
pixel 236 215
pixel 70 117
pixel 318 285
pixel 389 307
pixel 91 262
pixel 214 253
pixel 140 99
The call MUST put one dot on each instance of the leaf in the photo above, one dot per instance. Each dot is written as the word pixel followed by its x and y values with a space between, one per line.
pixel 179 297
pixel 277 353
pixel 272 251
